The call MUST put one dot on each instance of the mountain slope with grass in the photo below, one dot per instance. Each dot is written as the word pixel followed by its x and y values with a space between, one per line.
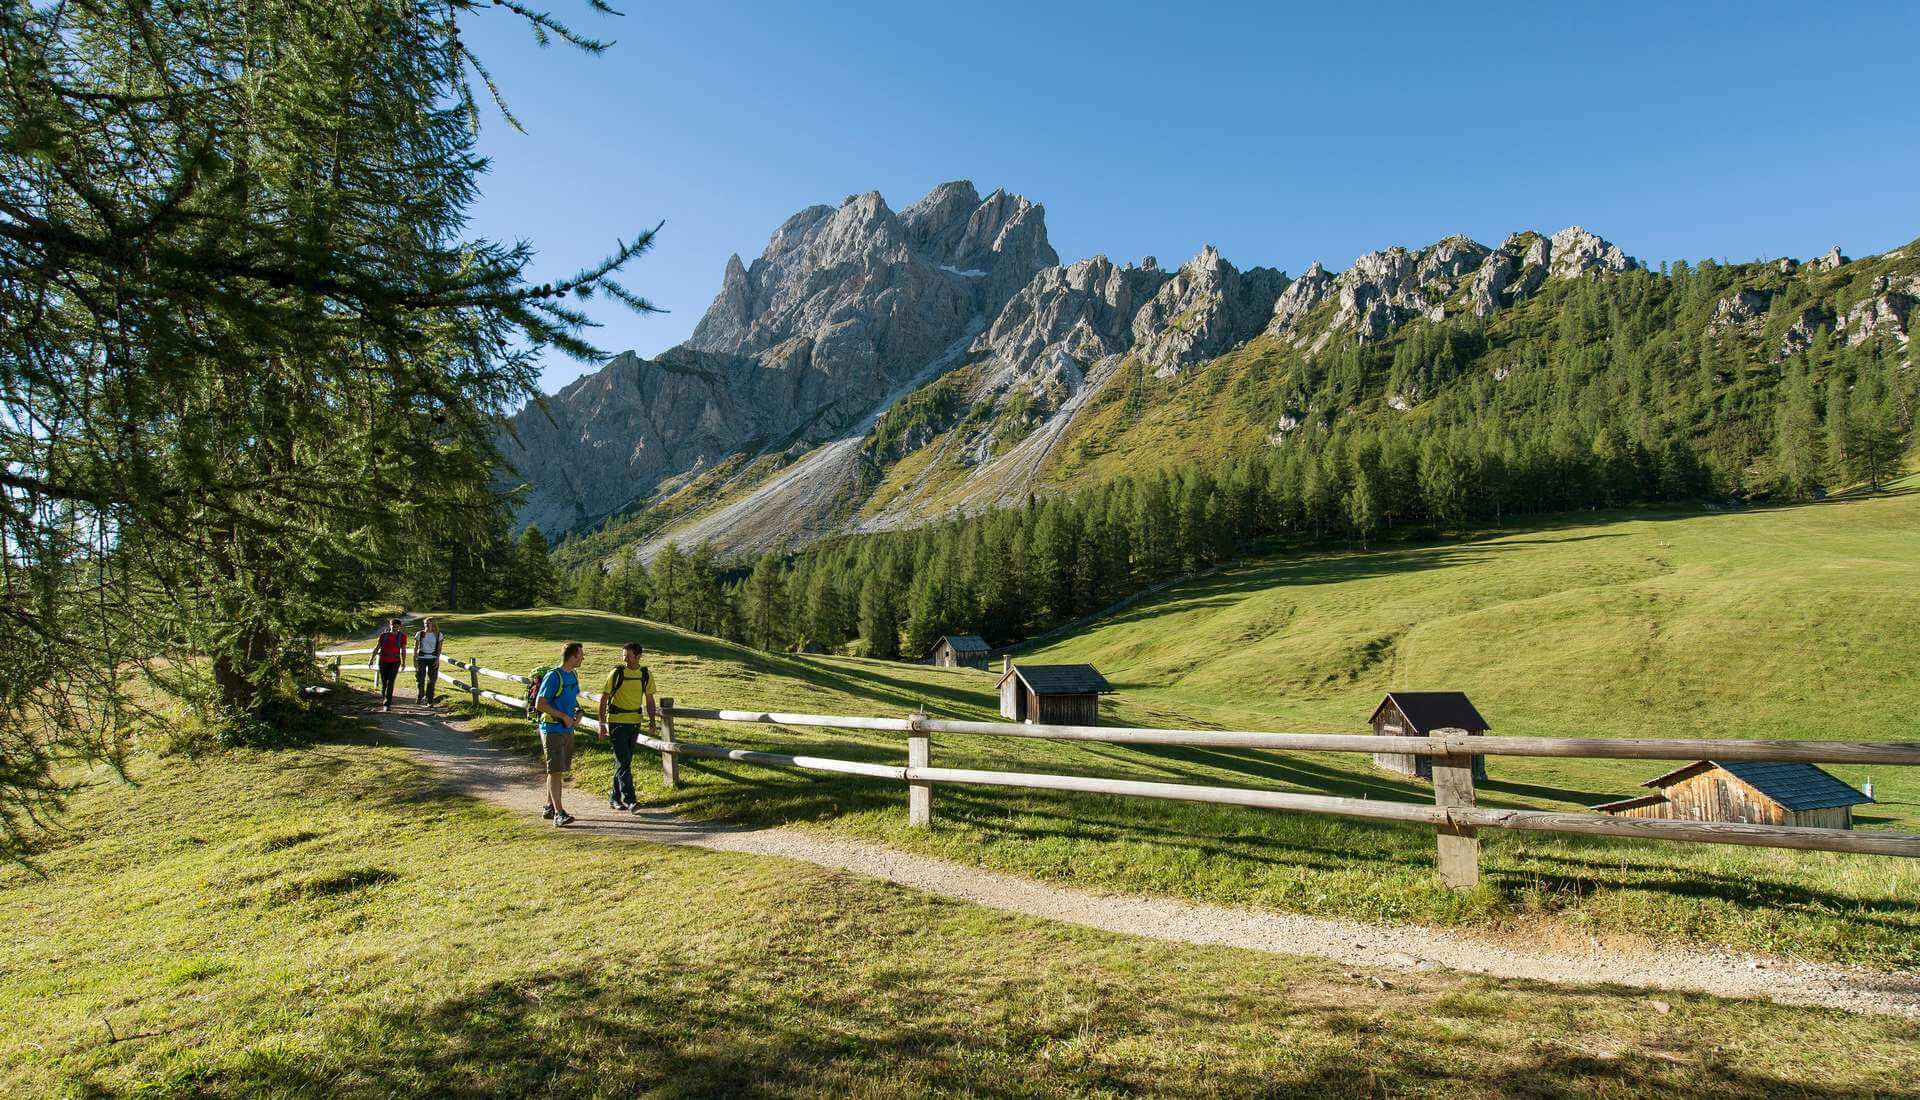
pixel 1779 622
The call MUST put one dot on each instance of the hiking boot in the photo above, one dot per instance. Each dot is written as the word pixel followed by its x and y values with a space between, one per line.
pixel 562 820
pixel 546 812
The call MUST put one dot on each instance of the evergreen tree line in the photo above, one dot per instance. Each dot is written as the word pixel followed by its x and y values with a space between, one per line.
pixel 1627 400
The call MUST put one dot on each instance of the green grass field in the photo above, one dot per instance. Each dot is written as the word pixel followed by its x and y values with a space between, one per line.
pixel 1782 623
pixel 327 922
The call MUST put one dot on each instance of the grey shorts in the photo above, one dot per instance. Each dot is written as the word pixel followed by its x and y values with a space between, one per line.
pixel 559 749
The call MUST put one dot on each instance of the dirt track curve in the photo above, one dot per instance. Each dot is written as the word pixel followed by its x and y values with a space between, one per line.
pixel 508 779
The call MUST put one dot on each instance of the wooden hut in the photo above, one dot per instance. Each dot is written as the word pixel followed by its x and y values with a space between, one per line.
pixel 1753 792
pixel 960 651
pixel 1053 695
pixel 1418 714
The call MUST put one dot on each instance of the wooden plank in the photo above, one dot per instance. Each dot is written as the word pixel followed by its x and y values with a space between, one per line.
pixel 1812 752
pixel 772 718
pixel 1763 836
pixel 503 675
pixel 343 653
pixel 671 749
pixel 1458 846
pixel 669 760
pixel 919 791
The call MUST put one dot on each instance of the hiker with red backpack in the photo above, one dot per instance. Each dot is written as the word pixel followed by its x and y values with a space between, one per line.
pixel 390 650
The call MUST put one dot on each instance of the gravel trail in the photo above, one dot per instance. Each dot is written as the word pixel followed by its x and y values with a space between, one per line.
pixel 507 778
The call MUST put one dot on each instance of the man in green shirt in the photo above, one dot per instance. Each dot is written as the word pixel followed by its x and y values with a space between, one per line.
pixel 629 689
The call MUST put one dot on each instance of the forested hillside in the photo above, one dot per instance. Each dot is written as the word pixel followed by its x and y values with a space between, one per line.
pixel 1762 381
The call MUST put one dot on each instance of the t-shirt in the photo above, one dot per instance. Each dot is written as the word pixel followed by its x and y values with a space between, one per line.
pixel 561 690
pixel 630 702
pixel 427 645
pixel 391 644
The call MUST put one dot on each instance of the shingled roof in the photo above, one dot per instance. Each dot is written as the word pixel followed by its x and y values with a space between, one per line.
pixel 1793 786
pixel 966 643
pixel 1427 711
pixel 1061 679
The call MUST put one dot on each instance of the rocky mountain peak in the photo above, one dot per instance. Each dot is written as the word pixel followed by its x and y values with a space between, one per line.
pixel 1206 309
pixel 1574 252
pixel 1299 298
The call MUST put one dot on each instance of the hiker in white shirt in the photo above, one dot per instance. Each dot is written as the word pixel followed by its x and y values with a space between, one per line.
pixel 426 662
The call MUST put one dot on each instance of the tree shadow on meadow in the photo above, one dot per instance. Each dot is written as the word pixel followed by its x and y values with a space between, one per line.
pixel 722 1030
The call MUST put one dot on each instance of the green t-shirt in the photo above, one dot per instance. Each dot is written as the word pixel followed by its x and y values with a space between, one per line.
pixel 626 692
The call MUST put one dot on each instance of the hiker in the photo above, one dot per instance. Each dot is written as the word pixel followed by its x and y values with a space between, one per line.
pixel 559 705
pixel 629 687
pixel 426 663
pixel 390 650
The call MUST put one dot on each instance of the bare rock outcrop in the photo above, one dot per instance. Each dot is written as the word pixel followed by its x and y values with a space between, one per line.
pixel 1299 298
pixel 844 306
pixel 1574 252
pixel 1800 335
pixel 1206 309
pixel 1082 312
pixel 1743 309
pixel 1881 316
pixel 1832 261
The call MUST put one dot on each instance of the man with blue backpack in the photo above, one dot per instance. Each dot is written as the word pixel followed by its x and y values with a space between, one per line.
pixel 557 702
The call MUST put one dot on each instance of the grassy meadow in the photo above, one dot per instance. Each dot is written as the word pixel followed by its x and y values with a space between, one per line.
pixel 329 922
pixel 1777 623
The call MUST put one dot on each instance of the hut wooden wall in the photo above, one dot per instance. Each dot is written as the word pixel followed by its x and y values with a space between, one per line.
pixel 1391 723
pixel 1833 817
pixel 1010 690
pixel 1713 795
pixel 1065 710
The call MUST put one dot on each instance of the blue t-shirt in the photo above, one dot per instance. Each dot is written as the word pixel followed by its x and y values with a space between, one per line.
pixel 561 690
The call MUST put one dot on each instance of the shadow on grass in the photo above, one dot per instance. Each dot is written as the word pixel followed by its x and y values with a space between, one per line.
pixel 721 1029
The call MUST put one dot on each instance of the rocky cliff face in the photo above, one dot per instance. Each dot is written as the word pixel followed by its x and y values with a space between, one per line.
pixel 778 414
pixel 1206 309
pixel 844 306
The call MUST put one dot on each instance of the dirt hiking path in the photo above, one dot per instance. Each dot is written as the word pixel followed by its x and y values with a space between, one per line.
pixel 505 777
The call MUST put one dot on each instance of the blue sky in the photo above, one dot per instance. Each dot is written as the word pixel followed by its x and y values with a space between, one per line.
pixel 1281 134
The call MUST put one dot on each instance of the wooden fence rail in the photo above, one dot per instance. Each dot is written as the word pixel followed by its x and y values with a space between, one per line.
pixel 1455 815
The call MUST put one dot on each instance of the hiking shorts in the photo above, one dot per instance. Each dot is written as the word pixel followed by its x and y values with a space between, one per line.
pixel 558 746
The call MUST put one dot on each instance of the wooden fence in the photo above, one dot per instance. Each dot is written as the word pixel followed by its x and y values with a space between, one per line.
pixel 1455 815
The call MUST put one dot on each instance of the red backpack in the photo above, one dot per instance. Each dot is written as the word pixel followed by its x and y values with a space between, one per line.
pixel 390 643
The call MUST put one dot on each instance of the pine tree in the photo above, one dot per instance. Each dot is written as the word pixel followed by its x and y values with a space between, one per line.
pixel 879 624
pixel 1363 509
pixel 668 602
pixel 1796 452
pixel 535 582
pixel 1839 441
pixel 765 604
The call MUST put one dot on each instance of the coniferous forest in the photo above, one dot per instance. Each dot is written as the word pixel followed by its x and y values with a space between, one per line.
pixel 1600 393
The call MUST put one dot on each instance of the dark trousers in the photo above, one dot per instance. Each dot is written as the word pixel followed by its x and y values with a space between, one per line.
pixel 388 674
pixel 426 677
pixel 622 735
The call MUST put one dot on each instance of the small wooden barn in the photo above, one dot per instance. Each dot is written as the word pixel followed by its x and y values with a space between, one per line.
pixel 1418 714
pixel 1752 792
pixel 1054 695
pixel 960 651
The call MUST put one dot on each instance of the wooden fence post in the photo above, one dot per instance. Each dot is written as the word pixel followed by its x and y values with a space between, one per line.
pixel 919 755
pixel 336 670
pixel 1459 845
pixel 473 679
pixel 669 762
